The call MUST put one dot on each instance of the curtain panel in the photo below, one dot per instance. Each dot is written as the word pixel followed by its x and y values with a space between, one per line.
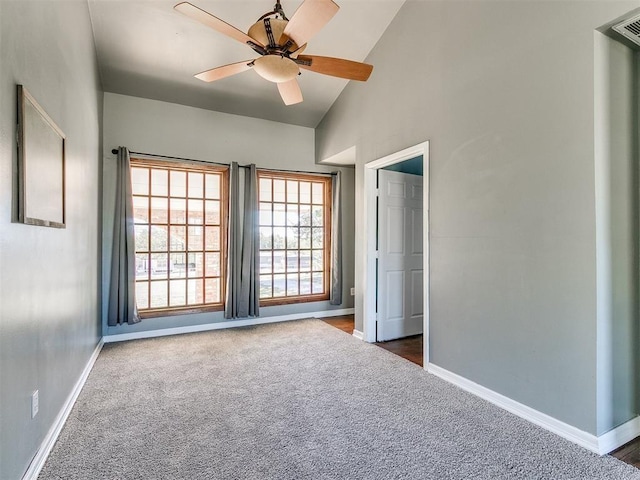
pixel 122 299
pixel 243 289
pixel 242 283
pixel 335 292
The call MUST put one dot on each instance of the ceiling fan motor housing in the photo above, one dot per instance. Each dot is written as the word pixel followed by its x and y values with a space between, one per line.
pixel 259 32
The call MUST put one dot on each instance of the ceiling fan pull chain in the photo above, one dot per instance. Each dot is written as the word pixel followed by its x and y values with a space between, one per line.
pixel 267 28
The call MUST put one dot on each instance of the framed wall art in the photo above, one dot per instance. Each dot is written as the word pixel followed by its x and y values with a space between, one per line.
pixel 41 165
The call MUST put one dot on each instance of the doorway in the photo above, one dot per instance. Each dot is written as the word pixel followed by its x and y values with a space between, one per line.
pixel 375 295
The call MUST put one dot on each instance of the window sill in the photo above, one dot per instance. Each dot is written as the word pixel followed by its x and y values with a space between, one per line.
pixel 165 312
pixel 272 302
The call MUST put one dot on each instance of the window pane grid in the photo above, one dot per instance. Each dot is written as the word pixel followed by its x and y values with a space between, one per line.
pixel 175 237
pixel 293 236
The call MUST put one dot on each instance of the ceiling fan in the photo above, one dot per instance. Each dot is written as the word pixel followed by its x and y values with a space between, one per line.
pixel 280 42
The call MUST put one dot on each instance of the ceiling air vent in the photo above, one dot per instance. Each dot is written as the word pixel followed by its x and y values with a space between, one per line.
pixel 630 28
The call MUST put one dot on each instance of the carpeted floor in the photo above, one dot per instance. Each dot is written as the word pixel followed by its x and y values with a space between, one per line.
pixel 296 400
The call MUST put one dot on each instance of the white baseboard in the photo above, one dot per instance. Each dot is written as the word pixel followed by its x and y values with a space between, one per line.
pixel 608 442
pixel 601 445
pixel 52 435
pixel 248 322
pixel 49 441
pixel 326 313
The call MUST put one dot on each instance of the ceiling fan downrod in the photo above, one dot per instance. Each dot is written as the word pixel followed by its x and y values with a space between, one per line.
pixel 277 10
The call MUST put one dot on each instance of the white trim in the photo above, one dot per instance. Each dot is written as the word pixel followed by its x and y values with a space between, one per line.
pixel 402 155
pixel 601 445
pixel 52 435
pixel 608 442
pixel 369 320
pixel 369 287
pixel 121 337
pixel 575 435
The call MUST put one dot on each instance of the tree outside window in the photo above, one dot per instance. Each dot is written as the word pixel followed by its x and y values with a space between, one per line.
pixel 294 227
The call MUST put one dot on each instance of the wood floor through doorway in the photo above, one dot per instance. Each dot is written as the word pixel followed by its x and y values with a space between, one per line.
pixel 411 349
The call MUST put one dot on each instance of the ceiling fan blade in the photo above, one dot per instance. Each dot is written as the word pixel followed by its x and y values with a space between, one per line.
pixel 297 52
pixel 290 92
pixel 209 20
pixel 224 71
pixel 308 19
pixel 336 67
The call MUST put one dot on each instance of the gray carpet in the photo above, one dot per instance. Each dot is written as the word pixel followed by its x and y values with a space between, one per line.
pixel 297 400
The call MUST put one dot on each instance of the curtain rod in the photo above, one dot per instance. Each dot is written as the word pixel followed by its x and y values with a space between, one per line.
pixel 115 152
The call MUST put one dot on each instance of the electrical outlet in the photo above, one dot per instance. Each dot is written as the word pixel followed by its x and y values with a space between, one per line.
pixel 35 404
pixel 353 291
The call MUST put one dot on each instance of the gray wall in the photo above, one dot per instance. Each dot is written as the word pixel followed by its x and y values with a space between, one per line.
pixel 616 174
pixel 413 166
pixel 151 126
pixel 507 103
pixel 49 303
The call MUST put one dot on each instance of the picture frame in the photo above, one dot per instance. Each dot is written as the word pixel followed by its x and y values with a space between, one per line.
pixel 41 165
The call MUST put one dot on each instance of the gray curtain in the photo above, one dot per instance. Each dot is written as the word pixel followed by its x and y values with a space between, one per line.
pixel 335 293
pixel 243 292
pixel 233 234
pixel 122 299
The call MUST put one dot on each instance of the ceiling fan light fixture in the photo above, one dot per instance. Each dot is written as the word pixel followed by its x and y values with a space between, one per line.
pixel 275 68
pixel 280 42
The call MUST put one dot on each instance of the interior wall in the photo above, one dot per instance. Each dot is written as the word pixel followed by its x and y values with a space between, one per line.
pixel 155 127
pixel 413 166
pixel 616 156
pixel 508 108
pixel 49 303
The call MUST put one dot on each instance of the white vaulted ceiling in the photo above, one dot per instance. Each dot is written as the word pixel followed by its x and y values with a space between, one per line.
pixel 147 49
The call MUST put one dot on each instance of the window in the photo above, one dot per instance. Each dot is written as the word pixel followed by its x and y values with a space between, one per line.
pixel 180 235
pixel 295 219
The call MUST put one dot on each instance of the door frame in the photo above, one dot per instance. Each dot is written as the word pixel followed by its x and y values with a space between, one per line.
pixel 370 219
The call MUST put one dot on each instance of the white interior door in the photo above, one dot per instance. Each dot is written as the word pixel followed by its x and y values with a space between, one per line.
pixel 400 306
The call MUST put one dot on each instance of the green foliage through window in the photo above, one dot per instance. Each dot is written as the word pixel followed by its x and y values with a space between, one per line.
pixel 294 236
